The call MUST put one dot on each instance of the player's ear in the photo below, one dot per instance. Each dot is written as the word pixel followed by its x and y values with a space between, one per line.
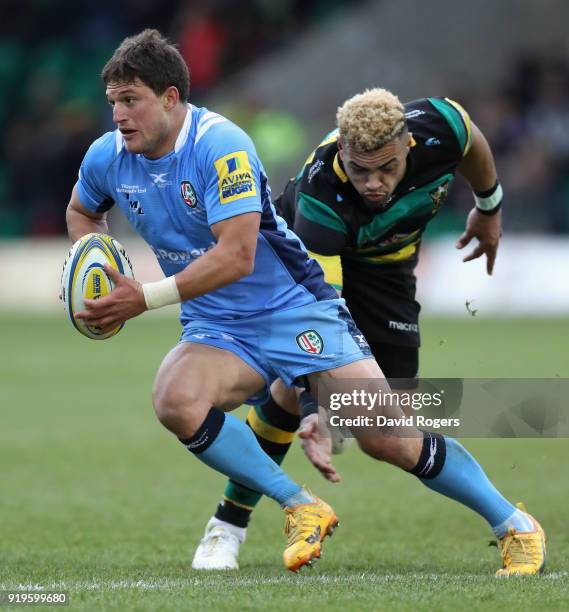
pixel 170 97
pixel 340 148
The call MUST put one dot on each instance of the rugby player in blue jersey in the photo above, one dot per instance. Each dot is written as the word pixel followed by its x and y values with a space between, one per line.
pixel 254 306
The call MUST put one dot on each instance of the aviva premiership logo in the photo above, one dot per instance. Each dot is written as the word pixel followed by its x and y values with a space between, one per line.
pixel 189 194
pixel 234 177
pixel 310 341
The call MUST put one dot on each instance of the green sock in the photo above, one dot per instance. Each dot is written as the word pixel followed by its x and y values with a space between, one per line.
pixel 274 429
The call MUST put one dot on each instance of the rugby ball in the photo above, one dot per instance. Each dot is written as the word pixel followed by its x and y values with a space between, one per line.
pixel 84 277
pixel 341 439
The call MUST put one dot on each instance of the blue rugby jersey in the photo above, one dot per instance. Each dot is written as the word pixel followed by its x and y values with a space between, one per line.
pixel 212 174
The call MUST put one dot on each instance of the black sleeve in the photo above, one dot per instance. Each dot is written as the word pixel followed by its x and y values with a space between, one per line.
pixel 285 204
pixel 319 238
pixel 105 205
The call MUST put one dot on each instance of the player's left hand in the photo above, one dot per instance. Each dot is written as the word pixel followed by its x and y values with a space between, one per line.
pixel 488 230
pixel 124 302
pixel 317 446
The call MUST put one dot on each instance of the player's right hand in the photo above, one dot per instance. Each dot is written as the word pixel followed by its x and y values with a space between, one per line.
pixel 124 302
pixel 317 446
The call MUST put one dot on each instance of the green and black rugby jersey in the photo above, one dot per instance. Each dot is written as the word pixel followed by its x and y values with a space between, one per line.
pixel 328 214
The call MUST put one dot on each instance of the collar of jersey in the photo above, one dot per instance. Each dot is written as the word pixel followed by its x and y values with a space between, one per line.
pixel 405 183
pixel 337 165
pixel 184 132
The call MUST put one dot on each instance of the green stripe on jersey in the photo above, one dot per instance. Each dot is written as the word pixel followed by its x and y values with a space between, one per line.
pixel 417 202
pixel 454 119
pixel 316 211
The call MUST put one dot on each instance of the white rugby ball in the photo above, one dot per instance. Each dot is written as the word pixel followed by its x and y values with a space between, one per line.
pixel 84 277
pixel 341 439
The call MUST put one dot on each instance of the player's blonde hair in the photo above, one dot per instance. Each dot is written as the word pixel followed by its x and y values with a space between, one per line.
pixel 370 119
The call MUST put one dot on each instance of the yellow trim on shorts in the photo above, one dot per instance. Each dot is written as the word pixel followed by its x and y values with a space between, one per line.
pixel 268 432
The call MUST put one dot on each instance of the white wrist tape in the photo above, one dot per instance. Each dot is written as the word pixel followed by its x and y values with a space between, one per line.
pixel 492 201
pixel 161 293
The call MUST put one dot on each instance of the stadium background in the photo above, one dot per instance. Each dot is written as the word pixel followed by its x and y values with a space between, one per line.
pixel 95 495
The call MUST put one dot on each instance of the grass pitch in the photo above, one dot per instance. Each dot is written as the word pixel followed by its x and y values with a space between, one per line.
pixel 99 500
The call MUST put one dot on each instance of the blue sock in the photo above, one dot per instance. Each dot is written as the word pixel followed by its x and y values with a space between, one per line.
pixel 302 497
pixel 519 521
pixel 446 467
pixel 227 445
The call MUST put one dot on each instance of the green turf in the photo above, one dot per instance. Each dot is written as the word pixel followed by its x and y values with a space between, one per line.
pixel 98 499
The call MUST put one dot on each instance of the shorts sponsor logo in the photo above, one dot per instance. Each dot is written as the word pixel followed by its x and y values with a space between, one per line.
pixel 234 177
pixel 188 194
pixel 360 341
pixel 402 326
pixel 310 341
pixel 359 338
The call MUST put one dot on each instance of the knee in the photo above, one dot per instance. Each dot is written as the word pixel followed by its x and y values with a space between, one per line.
pixel 284 396
pixel 177 409
pixel 399 451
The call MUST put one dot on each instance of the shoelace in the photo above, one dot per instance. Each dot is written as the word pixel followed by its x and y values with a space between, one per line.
pixel 516 550
pixel 298 527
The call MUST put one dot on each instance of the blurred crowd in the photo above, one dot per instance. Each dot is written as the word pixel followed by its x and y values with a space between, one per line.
pixel 526 122
pixel 52 105
pixel 51 99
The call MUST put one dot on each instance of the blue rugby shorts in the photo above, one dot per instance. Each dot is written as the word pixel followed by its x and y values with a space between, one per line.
pixel 288 343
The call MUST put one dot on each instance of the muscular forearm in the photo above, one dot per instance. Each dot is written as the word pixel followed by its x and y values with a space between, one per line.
pixel 484 220
pixel 79 224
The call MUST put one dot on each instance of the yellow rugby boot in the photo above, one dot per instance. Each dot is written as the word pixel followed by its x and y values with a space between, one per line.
pixel 306 525
pixel 523 553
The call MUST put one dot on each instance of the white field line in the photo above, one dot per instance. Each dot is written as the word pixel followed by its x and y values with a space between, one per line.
pixel 176 583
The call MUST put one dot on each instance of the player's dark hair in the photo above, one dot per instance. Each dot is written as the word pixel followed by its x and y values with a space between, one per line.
pixel 151 58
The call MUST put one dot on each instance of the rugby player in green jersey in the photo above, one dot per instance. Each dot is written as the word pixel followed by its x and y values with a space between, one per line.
pixel 367 197
pixel 364 197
